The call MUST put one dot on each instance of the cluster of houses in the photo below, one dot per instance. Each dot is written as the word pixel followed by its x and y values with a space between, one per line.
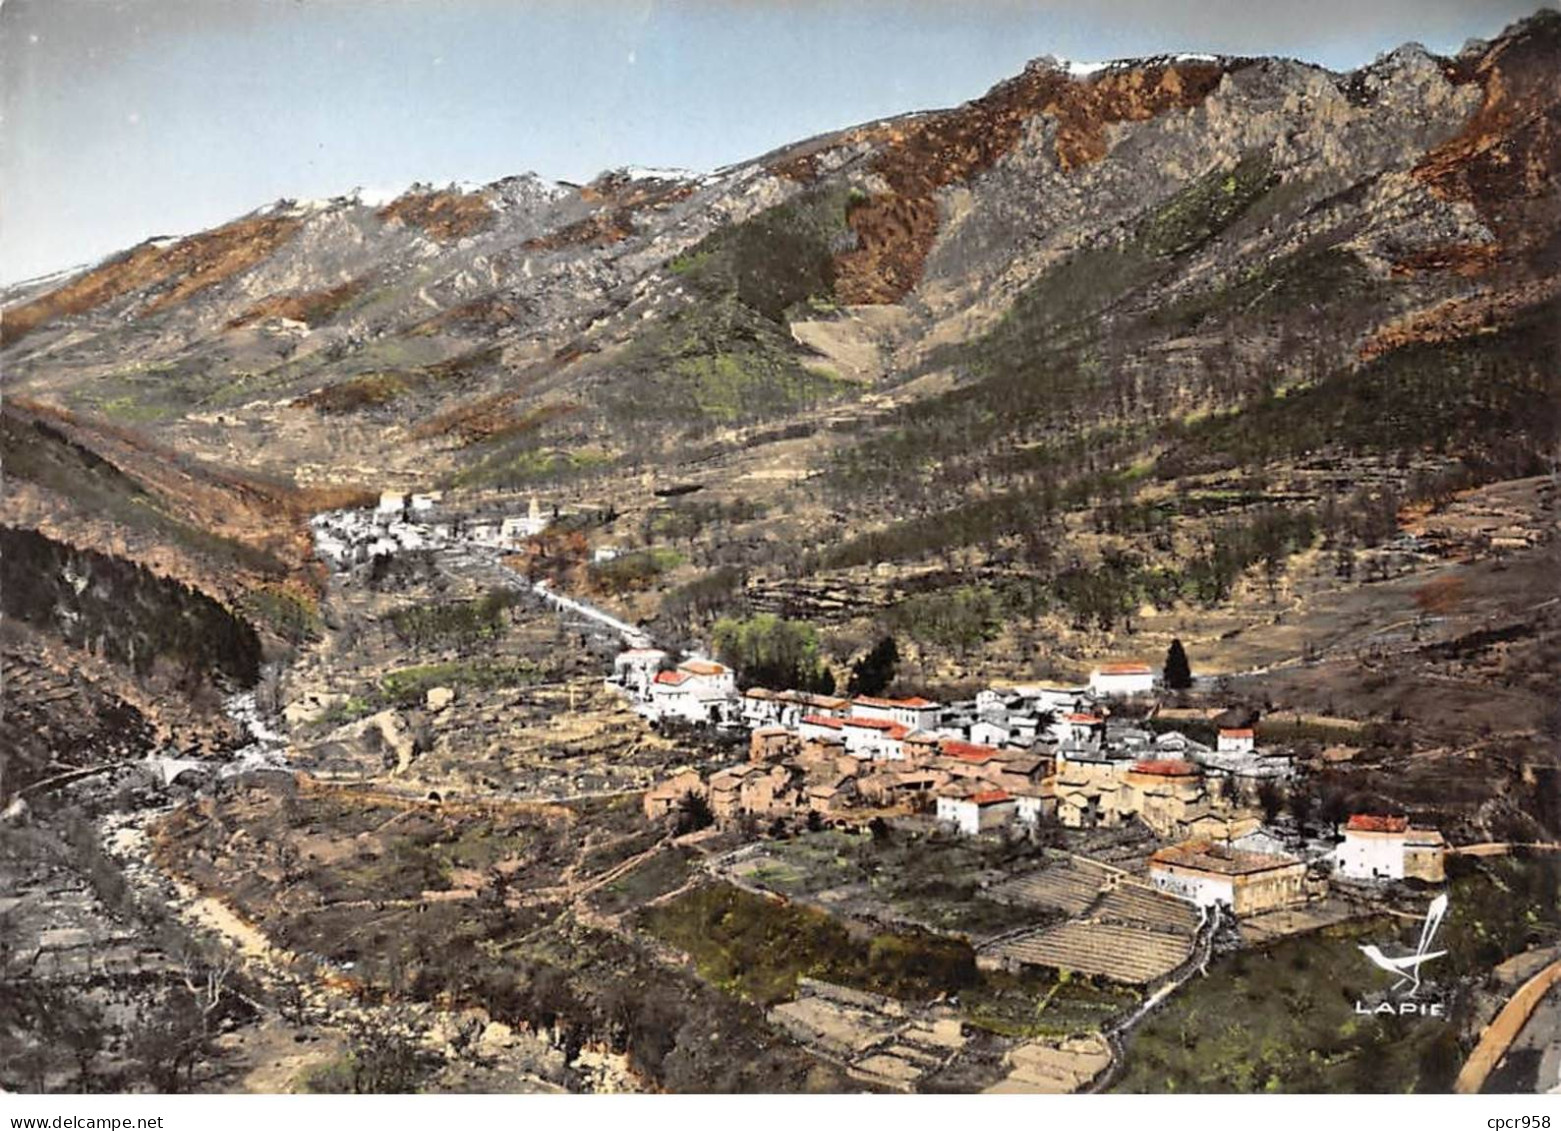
pixel 403 522
pixel 1011 758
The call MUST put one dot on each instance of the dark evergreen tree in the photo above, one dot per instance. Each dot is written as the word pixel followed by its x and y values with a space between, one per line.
pixel 874 672
pixel 1178 672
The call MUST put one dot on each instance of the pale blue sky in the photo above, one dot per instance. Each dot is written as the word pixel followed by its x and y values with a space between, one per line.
pixel 124 119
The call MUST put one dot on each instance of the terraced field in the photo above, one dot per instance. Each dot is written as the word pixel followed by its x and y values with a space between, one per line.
pixel 1071 887
pixel 1131 955
pixel 1131 904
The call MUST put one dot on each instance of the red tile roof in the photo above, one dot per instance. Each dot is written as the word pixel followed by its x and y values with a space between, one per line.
pixel 915 702
pixel 1371 823
pixel 1165 768
pixel 703 667
pixel 870 724
pixel 991 797
pixel 824 721
pixel 673 678
pixel 1084 720
pixel 1125 669
pixel 1237 732
pixel 968 751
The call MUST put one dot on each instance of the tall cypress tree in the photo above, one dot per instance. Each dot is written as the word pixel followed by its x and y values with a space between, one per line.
pixel 1178 672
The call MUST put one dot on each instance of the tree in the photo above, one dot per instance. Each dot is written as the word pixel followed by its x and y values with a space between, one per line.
pixel 1178 671
pixel 768 651
pixel 1271 798
pixel 1302 805
pixel 874 672
pixel 1334 807
pixel 693 813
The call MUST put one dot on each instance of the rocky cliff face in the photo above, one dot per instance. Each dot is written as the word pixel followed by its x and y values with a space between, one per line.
pixel 1193 221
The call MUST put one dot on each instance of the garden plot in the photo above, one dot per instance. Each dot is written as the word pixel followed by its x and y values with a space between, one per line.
pixel 938 883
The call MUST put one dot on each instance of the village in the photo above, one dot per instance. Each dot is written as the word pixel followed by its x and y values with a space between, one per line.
pixel 1103 775
pixel 987 890
pixel 1019 758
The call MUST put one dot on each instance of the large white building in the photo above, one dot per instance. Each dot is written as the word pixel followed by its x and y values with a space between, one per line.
pixel 1121 680
pixel 916 713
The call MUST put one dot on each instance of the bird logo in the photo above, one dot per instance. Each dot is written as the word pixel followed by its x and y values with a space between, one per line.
pixel 1407 967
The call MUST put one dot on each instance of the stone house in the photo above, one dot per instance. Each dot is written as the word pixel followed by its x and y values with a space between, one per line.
pixel 663 798
pixel 978 812
pixel 1245 883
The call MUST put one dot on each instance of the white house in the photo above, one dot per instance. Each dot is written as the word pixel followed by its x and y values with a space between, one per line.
pixel 915 712
pixel 1079 727
pixel 875 739
pixel 391 502
pixel 1236 740
pixel 698 691
pixel 1373 848
pixel 820 726
pixel 761 707
pixel 426 502
pixel 990 732
pixel 716 679
pixel 1029 809
pixel 1387 848
pixel 634 668
pixel 1122 680
pixel 979 812
pixel 795 704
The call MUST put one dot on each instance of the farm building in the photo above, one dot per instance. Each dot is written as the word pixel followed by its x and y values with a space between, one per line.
pixel 1387 848
pixel 1246 883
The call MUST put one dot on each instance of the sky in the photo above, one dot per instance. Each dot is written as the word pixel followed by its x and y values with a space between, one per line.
pixel 126 119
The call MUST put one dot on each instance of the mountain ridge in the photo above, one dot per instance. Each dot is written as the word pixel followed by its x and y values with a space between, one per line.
pixel 1172 235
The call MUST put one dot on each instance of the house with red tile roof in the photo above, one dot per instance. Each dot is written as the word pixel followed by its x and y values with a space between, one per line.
pixel 978 812
pixel 1383 847
pixel 1236 740
pixel 914 712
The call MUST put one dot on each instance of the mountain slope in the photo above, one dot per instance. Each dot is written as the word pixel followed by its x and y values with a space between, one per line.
pixel 958 290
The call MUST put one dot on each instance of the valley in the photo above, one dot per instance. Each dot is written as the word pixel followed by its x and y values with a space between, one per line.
pixel 387 588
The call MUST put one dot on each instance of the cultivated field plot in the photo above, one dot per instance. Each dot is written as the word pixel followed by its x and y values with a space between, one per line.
pixel 882 1042
pixel 939 883
pixel 1131 955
